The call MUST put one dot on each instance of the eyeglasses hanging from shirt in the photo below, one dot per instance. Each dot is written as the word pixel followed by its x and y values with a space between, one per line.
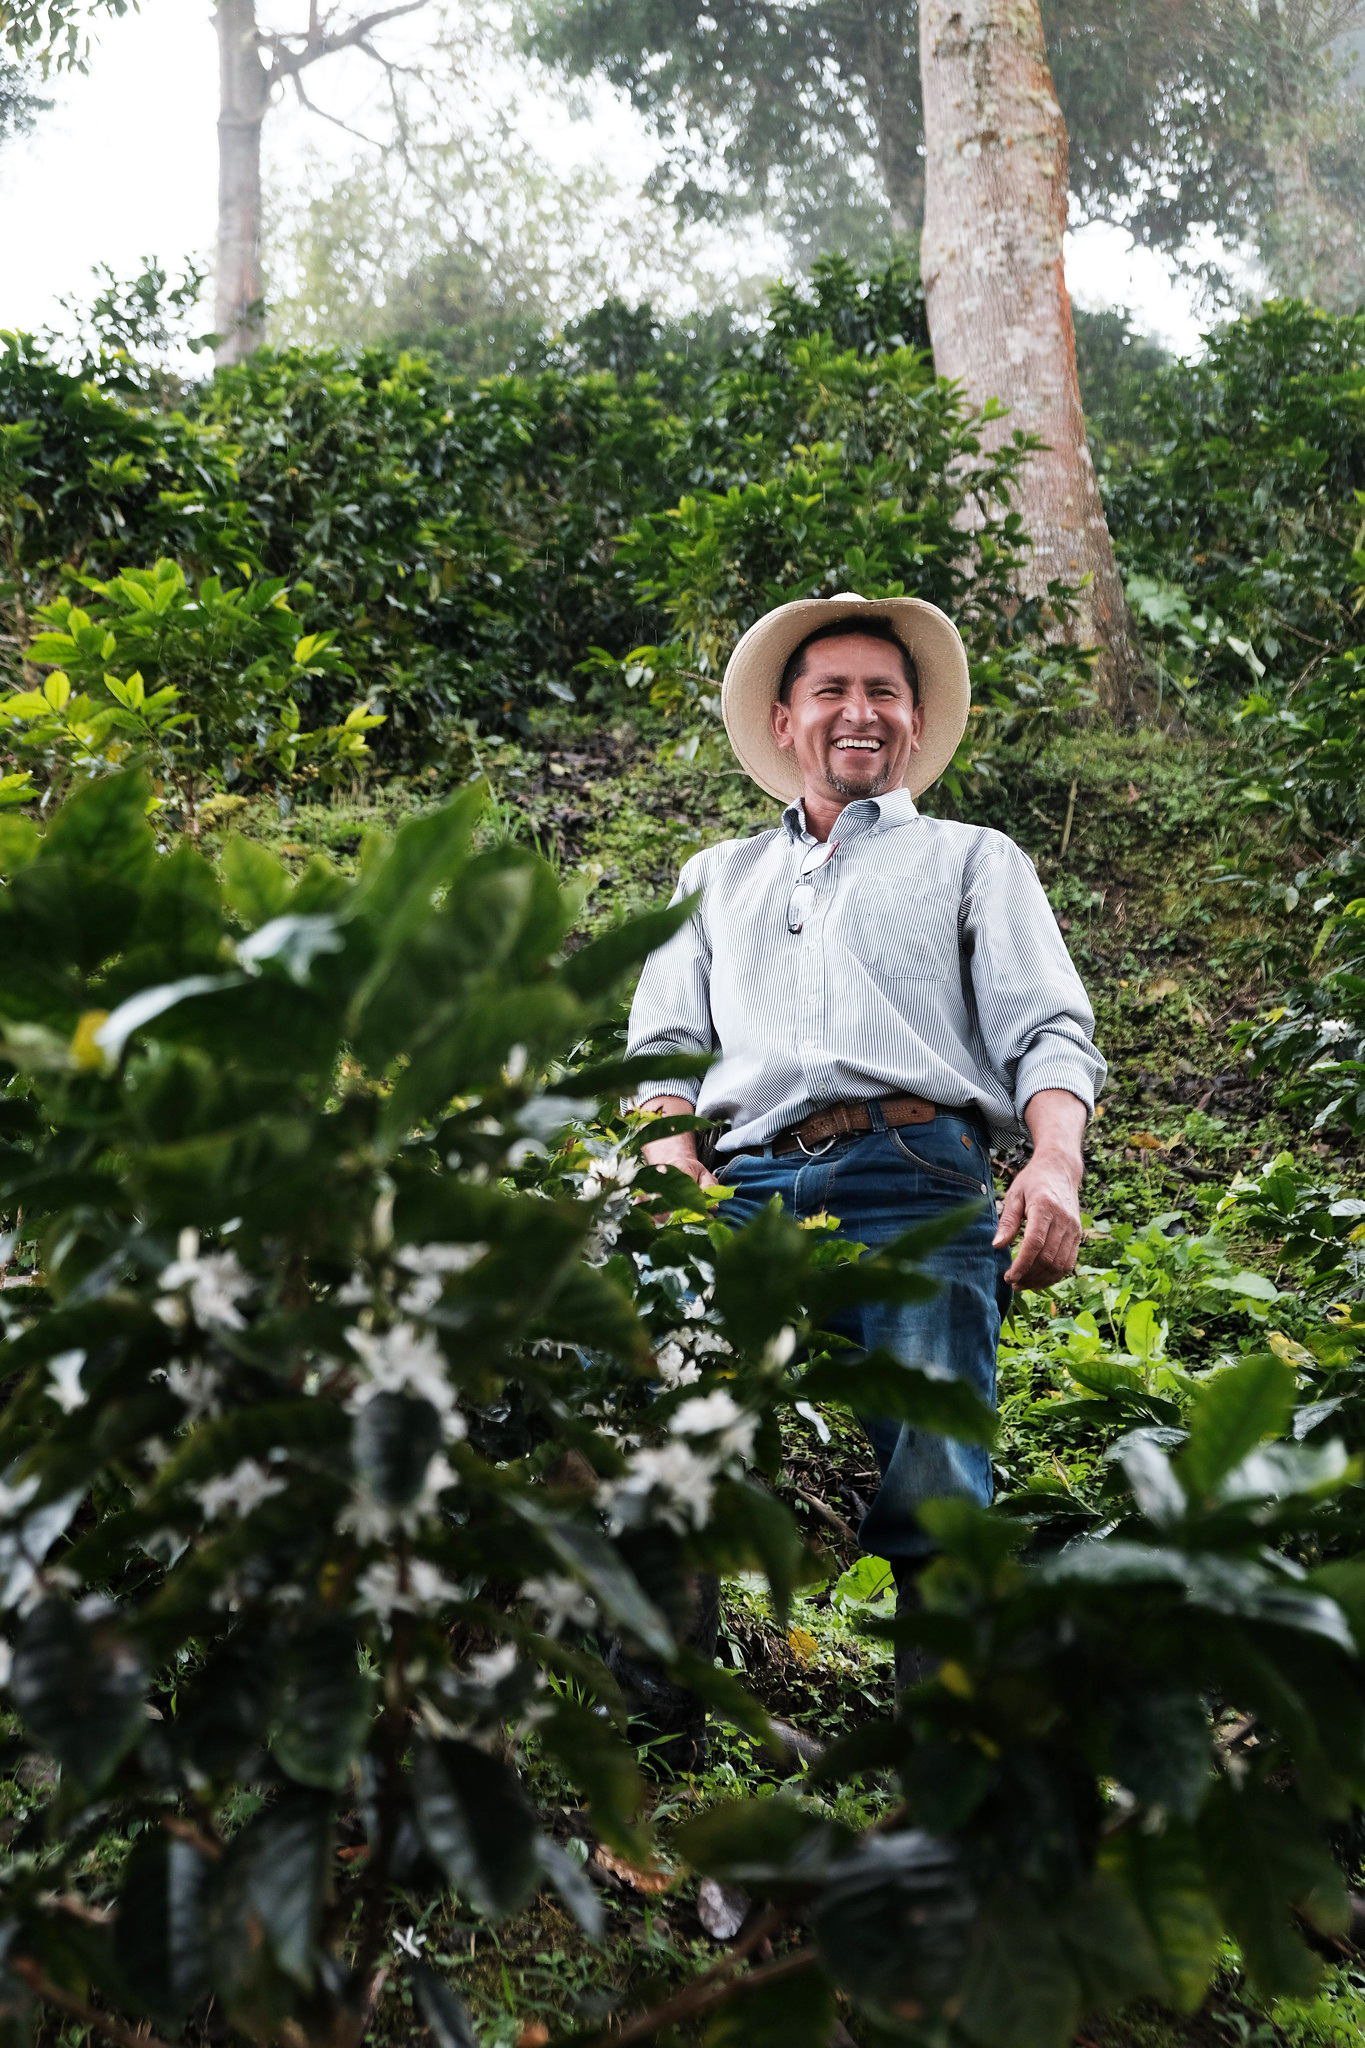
pixel 802 900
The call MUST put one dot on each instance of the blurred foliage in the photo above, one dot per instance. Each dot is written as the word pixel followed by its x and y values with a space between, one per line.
pixel 467 544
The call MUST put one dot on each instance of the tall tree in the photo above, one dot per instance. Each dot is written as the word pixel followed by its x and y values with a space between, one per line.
pixel 255 63
pixel 999 314
pixel 1180 113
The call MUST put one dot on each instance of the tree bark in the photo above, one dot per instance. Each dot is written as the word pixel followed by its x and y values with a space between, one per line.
pixel 999 314
pixel 244 97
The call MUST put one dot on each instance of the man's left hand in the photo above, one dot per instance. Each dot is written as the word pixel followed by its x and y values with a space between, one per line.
pixel 1044 1197
pixel 1044 1201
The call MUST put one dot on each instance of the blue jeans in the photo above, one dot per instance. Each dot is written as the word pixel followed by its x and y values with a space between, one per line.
pixel 878 1186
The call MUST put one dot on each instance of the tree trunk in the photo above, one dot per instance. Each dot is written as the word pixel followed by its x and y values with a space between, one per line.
pixel 999 314
pixel 244 96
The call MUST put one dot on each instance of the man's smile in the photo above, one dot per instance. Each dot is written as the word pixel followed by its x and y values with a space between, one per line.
pixel 872 745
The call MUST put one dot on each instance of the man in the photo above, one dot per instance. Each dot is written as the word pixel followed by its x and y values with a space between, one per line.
pixel 886 995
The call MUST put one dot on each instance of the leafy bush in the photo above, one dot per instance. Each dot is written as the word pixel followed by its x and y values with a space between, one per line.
pixel 319 1428
pixel 340 1409
pixel 467 545
pixel 1247 501
pixel 223 668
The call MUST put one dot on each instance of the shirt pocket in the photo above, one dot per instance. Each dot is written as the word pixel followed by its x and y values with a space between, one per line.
pixel 900 934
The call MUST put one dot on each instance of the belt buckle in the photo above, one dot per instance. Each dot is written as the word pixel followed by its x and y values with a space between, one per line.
pixel 822 1147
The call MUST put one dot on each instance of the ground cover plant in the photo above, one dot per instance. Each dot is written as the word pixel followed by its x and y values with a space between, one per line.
pixel 354 1403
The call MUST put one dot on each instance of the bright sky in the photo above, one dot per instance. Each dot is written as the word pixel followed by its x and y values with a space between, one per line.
pixel 124 167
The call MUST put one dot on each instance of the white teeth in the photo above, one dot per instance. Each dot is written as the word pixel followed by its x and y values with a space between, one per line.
pixel 871 745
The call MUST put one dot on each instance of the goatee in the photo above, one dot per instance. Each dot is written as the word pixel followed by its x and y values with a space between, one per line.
pixel 851 791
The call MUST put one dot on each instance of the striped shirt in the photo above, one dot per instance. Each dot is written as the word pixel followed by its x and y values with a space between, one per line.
pixel 927 961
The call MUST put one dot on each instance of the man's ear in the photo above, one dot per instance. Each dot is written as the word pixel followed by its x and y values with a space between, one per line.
pixel 917 728
pixel 782 724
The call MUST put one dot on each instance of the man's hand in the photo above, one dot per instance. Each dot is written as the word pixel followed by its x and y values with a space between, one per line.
pixel 680 1150
pixel 1044 1197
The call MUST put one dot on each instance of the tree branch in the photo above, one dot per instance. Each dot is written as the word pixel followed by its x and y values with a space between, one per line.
pixel 101 2022
pixel 704 1996
pixel 320 41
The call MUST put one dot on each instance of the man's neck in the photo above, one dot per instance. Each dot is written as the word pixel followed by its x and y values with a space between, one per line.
pixel 822 813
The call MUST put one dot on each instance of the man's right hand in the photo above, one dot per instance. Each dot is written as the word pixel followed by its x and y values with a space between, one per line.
pixel 681 1149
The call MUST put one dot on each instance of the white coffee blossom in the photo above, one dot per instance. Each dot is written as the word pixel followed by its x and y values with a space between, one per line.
pixel 355 1292
pixel 1333 1028
pixel 490 1667
pixel 379 1591
pixel 611 1174
pixel 431 1265
pixel 562 1601
pixel 671 1480
pixel 409 1942
pixel 720 1417
pixel 196 1384
pixel 406 1360
pixel 674 1368
pixel 779 1349
pixel 66 1389
pixel 207 1287
pixel 238 1491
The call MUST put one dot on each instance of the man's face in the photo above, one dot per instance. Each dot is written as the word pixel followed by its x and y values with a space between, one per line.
pixel 852 721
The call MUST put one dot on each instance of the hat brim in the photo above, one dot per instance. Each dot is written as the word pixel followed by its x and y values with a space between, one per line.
pixel 753 676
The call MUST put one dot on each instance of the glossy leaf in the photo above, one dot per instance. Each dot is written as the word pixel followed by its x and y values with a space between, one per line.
pixel 79 1686
pixel 475 1822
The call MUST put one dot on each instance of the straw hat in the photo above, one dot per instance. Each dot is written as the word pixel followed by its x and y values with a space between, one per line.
pixel 753 676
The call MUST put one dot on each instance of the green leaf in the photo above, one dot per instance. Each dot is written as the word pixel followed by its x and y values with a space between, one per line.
pixel 1237 1410
pixel 159 1926
pixel 1143 1335
pixel 103 827
pixel 1160 1868
pixel 396 1437
pixel 1255 1286
pixel 78 1686
pixel 768 1845
pixel 473 1817
pixel 325 1706
pixel 1020 1989
pixel 595 969
pixel 602 1767
pixel 576 1891
pixel 1264 1859
pixel 19 843
pixel 615 1588
pixel 442 2009
pixel 255 884
pixel 749 1527
pixel 1161 1749
pixel 1109 1944
pixel 795 2012
pixel 268 1895
pixel 883 1385
pixel 895 1925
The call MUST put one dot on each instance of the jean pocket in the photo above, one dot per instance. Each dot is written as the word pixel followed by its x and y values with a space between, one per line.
pixel 971 1183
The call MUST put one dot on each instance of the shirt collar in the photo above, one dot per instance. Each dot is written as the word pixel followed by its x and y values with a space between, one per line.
pixel 897 807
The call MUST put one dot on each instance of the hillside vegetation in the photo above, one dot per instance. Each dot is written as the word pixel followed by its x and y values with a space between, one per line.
pixel 360 716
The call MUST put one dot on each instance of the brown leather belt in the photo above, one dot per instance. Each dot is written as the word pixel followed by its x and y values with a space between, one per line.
pixel 852 1119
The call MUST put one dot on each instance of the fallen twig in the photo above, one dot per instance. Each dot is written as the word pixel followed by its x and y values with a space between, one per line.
pixel 827 1514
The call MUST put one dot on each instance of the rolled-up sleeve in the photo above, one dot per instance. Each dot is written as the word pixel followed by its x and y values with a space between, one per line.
pixel 1034 1017
pixel 671 1012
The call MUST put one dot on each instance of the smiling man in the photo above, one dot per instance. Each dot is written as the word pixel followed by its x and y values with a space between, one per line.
pixel 886 995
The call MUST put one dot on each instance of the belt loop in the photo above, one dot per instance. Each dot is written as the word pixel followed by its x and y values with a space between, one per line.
pixel 877 1114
